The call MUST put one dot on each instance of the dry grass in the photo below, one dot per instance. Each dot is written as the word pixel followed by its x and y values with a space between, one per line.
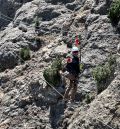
pixel 47 38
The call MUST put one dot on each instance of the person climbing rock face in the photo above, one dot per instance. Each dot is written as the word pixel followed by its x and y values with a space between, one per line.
pixel 73 69
pixel 77 41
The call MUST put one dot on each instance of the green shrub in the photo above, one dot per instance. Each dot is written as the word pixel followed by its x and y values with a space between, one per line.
pixel 51 74
pixel 89 98
pixel 112 60
pixel 102 74
pixel 57 64
pixel 25 53
pixel 37 22
pixel 82 67
pixel 38 41
pixel 114 12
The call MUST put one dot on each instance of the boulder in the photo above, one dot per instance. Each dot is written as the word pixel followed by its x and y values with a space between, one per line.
pixel 101 7
pixel 71 6
pixel 48 13
pixel 23 27
pixel 8 60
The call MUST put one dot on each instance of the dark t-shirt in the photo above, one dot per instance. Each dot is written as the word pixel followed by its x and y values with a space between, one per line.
pixel 74 66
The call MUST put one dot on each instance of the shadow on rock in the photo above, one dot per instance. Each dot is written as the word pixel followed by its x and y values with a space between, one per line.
pixel 56 112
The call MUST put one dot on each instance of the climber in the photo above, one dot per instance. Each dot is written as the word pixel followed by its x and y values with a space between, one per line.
pixel 77 42
pixel 73 70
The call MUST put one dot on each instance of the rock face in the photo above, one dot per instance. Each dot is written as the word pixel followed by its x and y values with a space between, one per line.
pixel 61 1
pixel 103 112
pixel 8 59
pixel 25 99
pixel 8 9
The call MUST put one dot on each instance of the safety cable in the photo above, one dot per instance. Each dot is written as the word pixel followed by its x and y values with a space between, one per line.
pixel 5 16
pixel 5 19
pixel 52 87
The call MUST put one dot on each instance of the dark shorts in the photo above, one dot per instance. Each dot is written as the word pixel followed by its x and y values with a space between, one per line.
pixel 72 77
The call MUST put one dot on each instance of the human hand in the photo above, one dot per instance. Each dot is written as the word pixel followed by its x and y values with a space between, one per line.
pixel 60 72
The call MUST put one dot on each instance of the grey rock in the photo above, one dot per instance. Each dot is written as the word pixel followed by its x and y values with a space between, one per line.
pixel 19 16
pixel 72 6
pixel 48 13
pixel 61 1
pixel 14 114
pixel 8 9
pixel 87 4
pixel 102 7
pixel 34 88
pixel 91 18
pixel 8 60
pixel 59 51
pixel 81 18
pixel 24 101
pixel 23 27
pixel 6 100
pixel 36 44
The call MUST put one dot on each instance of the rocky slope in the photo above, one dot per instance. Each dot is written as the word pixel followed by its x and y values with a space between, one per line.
pixel 103 112
pixel 25 101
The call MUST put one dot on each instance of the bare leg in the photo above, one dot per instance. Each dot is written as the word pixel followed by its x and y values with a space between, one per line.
pixel 68 90
pixel 74 90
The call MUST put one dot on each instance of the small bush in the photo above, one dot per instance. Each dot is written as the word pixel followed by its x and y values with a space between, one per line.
pixel 38 41
pixel 25 54
pixel 89 98
pixel 51 74
pixel 114 12
pixel 102 74
pixel 81 67
pixel 112 60
pixel 57 64
pixel 37 23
